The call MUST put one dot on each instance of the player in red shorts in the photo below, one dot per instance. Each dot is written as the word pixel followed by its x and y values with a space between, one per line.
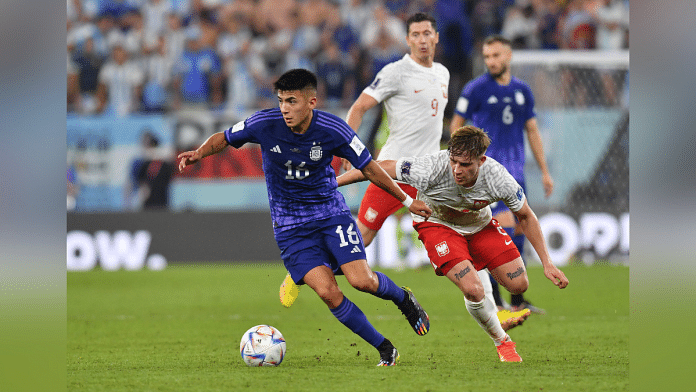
pixel 461 236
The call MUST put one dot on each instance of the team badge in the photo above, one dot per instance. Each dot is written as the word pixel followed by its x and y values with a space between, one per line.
pixel 315 153
pixel 442 249
pixel 478 204
pixel 519 97
pixel 405 168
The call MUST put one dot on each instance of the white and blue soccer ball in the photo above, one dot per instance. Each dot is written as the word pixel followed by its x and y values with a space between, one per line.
pixel 262 345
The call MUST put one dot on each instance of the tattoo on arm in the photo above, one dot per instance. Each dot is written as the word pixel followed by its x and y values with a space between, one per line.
pixel 459 275
pixel 513 275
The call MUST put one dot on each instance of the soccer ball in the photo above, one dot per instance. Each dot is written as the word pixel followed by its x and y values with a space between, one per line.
pixel 262 345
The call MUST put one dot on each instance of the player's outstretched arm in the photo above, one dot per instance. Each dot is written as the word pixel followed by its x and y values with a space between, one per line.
pixel 537 147
pixel 355 116
pixel 213 145
pixel 532 229
pixel 355 175
pixel 456 123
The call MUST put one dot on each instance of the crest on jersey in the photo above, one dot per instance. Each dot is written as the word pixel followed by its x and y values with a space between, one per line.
pixel 442 249
pixel 315 153
pixel 519 97
pixel 405 168
pixel 478 204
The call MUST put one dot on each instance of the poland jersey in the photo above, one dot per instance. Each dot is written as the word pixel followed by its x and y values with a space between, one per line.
pixel 502 112
pixel 465 210
pixel 300 181
pixel 415 98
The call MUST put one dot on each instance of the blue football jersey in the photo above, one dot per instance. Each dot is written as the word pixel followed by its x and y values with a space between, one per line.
pixel 502 112
pixel 300 181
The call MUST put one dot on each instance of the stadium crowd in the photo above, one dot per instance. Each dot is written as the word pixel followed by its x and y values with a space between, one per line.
pixel 154 56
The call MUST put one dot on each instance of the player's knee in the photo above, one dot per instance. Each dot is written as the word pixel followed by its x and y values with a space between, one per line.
pixel 330 294
pixel 519 286
pixel 368 284
pixel 474 292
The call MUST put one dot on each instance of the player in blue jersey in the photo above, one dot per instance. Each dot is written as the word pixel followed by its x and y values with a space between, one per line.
pixel 312 225
pixel 503 106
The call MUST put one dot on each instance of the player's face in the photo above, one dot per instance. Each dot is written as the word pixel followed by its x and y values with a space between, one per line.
pixel 296 107
pixel 465 169
pixel 422 39
pixel 497 57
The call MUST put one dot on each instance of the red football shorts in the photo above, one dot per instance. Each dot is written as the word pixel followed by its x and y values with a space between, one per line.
pixel 489 248
pixel 377 205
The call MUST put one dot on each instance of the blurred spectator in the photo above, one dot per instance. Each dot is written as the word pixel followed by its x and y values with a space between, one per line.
pixel 158 69
pixel 115 8
pixel 89 64
pixel 198 75
pixel 548 14
pixel 336 79
pixel 155 14
pixel 150 177
pixel 340 33
pixel 356 13
pixel 612 24
pixel 133 32
pixel 175 37
pixel 73 188
pixel 73 87
pixel 486 19
pixel 578 26
pixel 120 84
pixel 383 23
pixel 521 25
pixel 455 45
pixel 382 52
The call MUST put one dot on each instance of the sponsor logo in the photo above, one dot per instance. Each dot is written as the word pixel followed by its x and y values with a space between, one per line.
pixel 442 249
pixel 356 249
pixel 405 168
pixel 295 150
pixel 370 215
pixel 276 149
pixel 111 251
pixel 508 242
pixel 519 97
pixel 492 99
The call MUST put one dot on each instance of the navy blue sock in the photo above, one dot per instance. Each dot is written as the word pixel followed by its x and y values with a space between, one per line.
pixel 388 289
pixel 352 317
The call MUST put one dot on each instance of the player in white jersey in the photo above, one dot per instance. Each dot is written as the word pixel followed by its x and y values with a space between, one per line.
pixel 459 184
pixel 414 92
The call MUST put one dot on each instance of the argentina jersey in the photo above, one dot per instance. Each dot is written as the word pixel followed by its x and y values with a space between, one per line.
pixel 300 181
pixel 501 111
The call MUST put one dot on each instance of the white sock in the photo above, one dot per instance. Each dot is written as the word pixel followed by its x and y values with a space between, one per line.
pixel 485 313
pixel 486 282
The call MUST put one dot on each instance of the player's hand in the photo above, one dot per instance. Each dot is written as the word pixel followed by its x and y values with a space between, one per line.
pixel 345 164
pixel 547 181
pixel 188 158
pixel 418 207
pixel 556 276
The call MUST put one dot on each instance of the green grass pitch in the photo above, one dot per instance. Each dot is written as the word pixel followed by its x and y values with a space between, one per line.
pixel 179 330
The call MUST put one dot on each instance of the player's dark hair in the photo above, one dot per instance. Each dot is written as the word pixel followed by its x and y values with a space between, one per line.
pixel 491 39
pixel 469 140
pixel 420 17
pixel 296 79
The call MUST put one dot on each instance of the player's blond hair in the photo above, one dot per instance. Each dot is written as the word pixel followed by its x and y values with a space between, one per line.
pixel 469 140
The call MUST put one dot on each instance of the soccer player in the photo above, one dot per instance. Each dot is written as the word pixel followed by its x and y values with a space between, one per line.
pixel 503 105
pixel 312 224
pixel 414 92
pixel 461 236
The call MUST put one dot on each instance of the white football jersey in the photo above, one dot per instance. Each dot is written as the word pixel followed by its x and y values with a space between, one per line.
pixel 415 98
pixel 465 210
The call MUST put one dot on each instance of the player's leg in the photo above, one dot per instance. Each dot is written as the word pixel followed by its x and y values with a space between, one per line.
pixel 361 277
pixel 508 319
pixel 508 221
pixel 512 275
pixel 321 279
pixel 449 255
